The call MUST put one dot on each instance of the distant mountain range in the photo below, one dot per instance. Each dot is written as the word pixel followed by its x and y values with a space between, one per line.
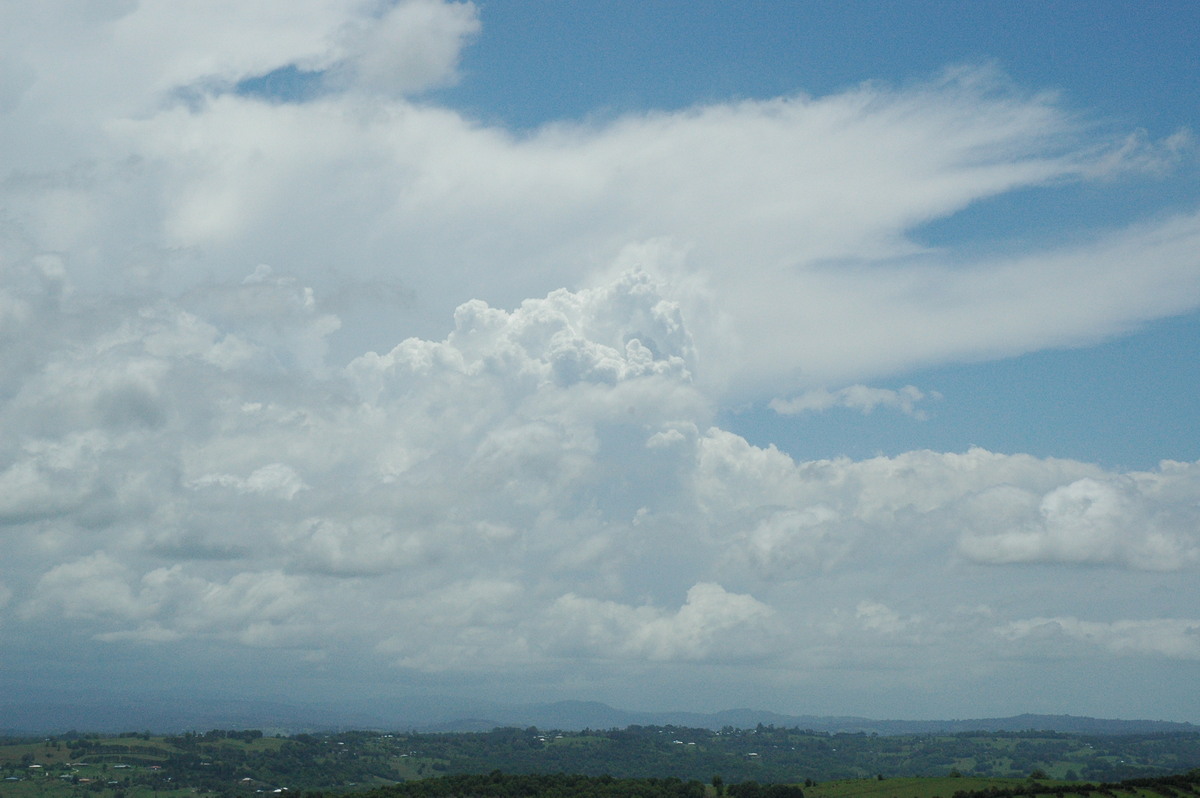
pixel 170 714
pixel 584 714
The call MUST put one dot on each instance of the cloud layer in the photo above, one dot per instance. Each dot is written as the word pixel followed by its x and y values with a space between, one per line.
pixel 541 487
pixel 351 375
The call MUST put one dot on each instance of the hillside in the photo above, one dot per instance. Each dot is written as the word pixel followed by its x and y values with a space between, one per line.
pixel 247 761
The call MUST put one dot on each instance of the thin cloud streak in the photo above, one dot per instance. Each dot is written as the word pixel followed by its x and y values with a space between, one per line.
pixel 863 398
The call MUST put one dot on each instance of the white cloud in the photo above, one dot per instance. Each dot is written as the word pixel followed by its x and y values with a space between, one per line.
pixel 95 586
pixel 541 484
pixel 129 57
pixel 878 617
pixel 274 479
pixel 1109 520
pixel 363 545
pixel 857 397
pixel 711 624
pixel 796 539
pixel 794 214
pixel 51 476
pixel 165 604
pixel 413 45
pixel 1176 638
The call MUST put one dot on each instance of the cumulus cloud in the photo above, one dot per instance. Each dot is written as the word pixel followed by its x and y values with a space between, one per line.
pixel 542 483
pixel 167 603
pixel 998 508
pixel 796 539
pixel 539 491
pixel 712 623
pixel 91 587
pixel 1115 519
pixel 878 617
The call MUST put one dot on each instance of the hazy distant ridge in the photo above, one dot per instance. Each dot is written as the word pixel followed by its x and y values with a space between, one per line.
pixel 582 714
pixel 169 716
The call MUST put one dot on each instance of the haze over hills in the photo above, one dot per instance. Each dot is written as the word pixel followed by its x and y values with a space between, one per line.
pixel 586 714
pixel 170 715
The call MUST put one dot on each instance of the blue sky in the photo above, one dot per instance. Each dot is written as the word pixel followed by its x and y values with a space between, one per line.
pixel 1125 403
pixel 1125 65
pixel 821 358
pixel 1116 59
pixel 543 60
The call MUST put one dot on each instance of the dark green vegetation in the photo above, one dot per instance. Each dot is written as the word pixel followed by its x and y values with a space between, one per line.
pixel 561 785
pixel 1172 786
pixel 500 785
pixel 669 761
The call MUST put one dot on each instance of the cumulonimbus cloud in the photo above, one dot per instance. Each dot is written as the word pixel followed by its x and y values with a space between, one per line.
pixel 511 457
pixel 556 461
pixel 788 223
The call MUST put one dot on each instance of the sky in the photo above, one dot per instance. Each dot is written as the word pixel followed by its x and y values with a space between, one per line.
pixel 820 358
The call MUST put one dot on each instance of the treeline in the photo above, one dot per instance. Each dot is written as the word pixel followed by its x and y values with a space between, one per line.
pixel 190 738
pixel 1173 786
pixel 561 785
